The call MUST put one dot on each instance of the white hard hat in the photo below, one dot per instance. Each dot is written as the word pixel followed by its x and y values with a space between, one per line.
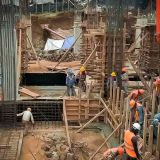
pixel 137 126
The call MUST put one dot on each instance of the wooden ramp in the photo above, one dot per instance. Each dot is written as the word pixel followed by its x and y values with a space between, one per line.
pixel 28 92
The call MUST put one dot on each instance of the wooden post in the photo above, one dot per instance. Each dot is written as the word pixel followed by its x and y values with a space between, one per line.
pixel 153 102
pixel 66 123
pixel 121 105
pixel 106 141
pixel 111 90
pixel 91 120
pixel 127 112
pixel 114 97
pixel 145 132
pixel 117 99
pixel 158 143
pixel 150 143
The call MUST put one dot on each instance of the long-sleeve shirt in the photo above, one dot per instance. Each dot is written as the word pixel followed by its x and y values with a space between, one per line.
pixel 26 116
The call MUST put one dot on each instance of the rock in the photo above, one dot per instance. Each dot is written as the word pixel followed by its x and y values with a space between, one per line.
pixel 55 156
pixel 45 147
pixel 70 156
pixel 48 154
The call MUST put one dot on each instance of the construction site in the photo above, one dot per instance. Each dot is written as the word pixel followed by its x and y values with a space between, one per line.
pixel 79 79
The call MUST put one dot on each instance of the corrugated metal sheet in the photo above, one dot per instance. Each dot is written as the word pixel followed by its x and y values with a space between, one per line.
pixel 43 1
pixel 9 2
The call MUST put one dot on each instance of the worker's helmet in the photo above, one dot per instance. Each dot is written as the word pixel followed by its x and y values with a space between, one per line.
pixel 136 127
pixel 28 109
pixel 120 150
pixel 124 69
pixel 141 91
pixel 132 103
pixel 155 122
pixel 82 69
pixel 113 74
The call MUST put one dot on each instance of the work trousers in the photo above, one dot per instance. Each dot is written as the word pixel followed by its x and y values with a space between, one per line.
pixel 70 91
pixel 26 125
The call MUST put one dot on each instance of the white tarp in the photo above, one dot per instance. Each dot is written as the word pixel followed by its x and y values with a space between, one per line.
pixel 52 44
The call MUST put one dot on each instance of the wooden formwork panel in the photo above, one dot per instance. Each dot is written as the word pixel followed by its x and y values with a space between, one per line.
pixel 80 110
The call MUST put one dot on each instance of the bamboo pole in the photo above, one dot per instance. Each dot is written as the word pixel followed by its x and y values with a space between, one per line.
pixel 108 138
pixel 91 120
pixel 114 97
pixel 127 112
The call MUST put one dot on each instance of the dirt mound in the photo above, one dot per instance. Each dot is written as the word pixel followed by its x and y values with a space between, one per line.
pixel 64 21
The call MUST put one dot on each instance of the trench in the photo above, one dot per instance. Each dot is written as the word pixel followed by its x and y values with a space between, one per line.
pixel 43 79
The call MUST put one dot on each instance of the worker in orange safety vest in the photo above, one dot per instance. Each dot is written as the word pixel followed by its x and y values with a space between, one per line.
pixel 112 153
pixel 136 93
pixel 137 112
pixel 131 143
pixel 157 88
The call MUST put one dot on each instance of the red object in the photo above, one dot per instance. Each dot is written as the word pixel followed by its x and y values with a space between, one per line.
pixel 158 20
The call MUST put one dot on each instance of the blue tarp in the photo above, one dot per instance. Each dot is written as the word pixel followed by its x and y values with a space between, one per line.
pixel 68 42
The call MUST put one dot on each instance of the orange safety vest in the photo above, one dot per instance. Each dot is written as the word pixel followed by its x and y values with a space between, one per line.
pixel 128 144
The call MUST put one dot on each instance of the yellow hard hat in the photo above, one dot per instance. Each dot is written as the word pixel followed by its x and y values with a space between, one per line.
pixel 82 69
pixel 113 74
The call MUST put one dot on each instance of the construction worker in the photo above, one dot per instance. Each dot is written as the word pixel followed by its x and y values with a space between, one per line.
pixel 131 142
pixel 70 82
pixel 137 112
pixel 157 88
pixel 136 93
pixel 155 123
pixel 82 78
pixel 124 77
pixel 26 118
pixel 112 153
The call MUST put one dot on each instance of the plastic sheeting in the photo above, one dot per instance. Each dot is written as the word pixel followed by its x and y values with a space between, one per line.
pixel 52 44
pixel 68 42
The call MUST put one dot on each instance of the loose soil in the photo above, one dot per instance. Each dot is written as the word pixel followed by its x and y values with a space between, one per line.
pixel 32 144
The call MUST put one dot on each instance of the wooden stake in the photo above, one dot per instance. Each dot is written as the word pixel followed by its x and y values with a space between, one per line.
pixel 153 102
pixel 108 138
pixel 117 99
pixel 145 133
pixel 150 143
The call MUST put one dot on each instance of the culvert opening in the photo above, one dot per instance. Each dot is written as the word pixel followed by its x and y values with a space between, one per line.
pixel 43 79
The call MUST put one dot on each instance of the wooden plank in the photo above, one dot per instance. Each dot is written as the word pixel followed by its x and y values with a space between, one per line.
pixel 91 120
pixel 28 92
pixel 108 138
pixel 19 146
pixel 66 124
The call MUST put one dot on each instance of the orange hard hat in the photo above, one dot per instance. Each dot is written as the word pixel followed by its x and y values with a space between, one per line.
pixel 141 91
pixel 120 150
pixel 132 103
pixel 124 69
